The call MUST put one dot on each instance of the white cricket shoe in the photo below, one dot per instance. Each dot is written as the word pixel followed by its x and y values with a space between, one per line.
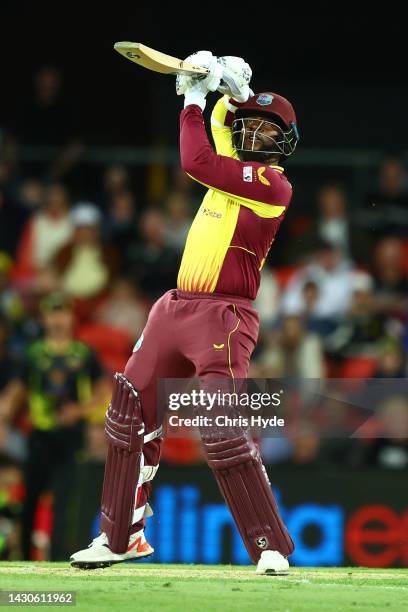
pixel 98 554
pixel 272 563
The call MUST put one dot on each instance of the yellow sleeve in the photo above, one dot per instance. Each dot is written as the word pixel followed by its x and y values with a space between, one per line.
pixel 222 134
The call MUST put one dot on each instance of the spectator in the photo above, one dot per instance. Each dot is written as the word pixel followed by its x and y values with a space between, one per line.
pixel 86 265
pixel 12 219
pixel 31 194
pixel 116 181
pixel 181 183
pixel 359 333
pixel 391 362
pixel 96 444
pixel 57 377
pixel 123 308
pixel 302 448
pixel 120 220
pixel 392 185
pixel 292 351
pixel 13 442
pixel 306 444
pixel 11 305
pixel 333 223
pixel 6 362
pixel 390 449
pixel 276 449
pixel 44 234
pixel 267 300
pixel 310 298
pixel 332 278
pixel 388 204
pixel 178 220
pixel 390 277
pixel 152 264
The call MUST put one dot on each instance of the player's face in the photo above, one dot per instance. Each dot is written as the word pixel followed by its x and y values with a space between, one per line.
pixel 59 322
pixel 260 133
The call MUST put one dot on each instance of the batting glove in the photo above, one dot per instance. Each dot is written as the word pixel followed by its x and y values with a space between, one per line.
pixel 236 76
pixel 195 88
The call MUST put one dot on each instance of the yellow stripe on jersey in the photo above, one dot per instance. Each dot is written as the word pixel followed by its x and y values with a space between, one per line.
pixel 207 243
pixel 266 211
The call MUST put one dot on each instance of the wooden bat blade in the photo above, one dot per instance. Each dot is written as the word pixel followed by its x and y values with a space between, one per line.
pixel 155 60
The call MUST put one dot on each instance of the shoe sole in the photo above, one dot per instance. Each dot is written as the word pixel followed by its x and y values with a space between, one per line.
pixel 271 572
pixel 90 565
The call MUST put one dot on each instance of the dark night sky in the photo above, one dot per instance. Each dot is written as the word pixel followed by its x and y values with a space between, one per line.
pixel 333 61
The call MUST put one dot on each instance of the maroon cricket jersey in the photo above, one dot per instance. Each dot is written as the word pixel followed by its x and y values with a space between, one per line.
pixel 241 212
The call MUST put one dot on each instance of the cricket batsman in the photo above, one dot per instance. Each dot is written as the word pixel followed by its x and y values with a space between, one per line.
pixel 207 327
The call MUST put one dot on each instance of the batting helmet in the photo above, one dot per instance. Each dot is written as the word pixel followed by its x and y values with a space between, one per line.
pixel 271 108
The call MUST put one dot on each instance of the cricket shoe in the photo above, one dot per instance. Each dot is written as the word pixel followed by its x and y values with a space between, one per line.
pixel 272 563
pixel 98 554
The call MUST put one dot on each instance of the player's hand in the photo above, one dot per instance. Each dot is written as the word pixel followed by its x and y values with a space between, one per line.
pixel 69 414
pixel 236 77
pixel 205 59
pixel 195 88
pixel 6 411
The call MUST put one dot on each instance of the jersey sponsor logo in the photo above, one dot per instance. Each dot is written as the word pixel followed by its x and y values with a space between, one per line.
pixel 261 176
pixel 264 99
pixel 218 347
pixel 138 343
pixel 247 174
pixel 211 213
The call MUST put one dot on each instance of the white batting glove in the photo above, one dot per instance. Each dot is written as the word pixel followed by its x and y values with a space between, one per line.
pixel 236 76
pixel 183 81
pixel 195 88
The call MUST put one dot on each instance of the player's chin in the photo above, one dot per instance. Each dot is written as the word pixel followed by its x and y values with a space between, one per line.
pixel 250 146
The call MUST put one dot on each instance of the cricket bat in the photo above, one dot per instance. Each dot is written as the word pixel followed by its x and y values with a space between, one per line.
pixel 155 60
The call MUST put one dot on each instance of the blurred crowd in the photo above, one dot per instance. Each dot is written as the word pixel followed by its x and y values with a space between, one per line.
pixel 81 267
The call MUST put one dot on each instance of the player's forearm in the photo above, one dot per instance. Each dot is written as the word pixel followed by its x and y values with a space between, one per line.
pixel 196 153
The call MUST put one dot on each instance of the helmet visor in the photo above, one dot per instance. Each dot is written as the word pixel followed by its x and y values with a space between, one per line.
pixel 249 134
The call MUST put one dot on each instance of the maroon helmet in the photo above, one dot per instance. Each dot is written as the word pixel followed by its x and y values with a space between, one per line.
pixel 270 108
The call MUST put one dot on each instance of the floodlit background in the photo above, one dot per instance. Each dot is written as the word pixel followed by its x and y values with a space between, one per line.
pixel 89 164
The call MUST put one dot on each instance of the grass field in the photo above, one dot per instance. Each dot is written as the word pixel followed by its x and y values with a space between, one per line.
pixel 213 588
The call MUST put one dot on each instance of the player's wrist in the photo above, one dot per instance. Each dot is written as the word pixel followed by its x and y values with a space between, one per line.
pixel 195 97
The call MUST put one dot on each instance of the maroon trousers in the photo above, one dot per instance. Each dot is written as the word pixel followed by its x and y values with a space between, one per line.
pixel 188 334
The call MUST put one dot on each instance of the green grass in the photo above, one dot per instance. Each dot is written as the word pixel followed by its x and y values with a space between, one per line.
pixel 191 588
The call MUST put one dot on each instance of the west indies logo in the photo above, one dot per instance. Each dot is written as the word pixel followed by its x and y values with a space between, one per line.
pixel 264 99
